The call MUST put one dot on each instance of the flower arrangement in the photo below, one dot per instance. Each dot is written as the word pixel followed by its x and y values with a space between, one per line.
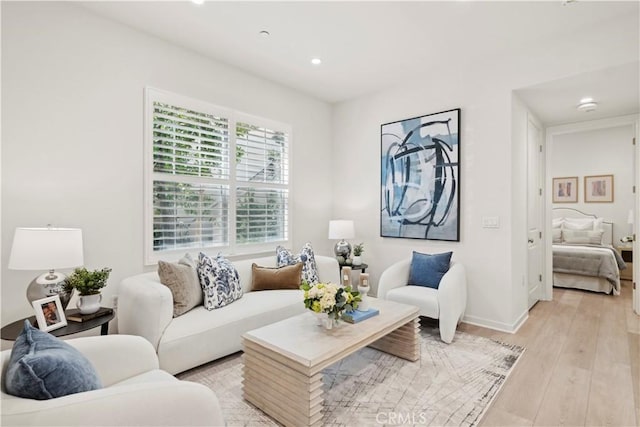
pixel 330 298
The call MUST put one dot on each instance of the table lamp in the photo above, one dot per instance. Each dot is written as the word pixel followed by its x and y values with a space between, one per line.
pixel 47 249
pixel 341 229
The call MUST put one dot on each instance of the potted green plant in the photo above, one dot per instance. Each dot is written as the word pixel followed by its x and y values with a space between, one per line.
pixel 357 252
pixel 88 284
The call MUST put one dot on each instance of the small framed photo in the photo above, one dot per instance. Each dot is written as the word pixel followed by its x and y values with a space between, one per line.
pixel 598 189
pixel 49 313
pixel 565 190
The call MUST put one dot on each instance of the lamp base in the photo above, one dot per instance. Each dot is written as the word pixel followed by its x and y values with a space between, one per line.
pixel 47 285
pixel 343 249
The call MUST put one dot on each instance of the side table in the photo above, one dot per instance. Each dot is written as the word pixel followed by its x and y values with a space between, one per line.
pixel 362 267
pixel 627 255
pixel 12 330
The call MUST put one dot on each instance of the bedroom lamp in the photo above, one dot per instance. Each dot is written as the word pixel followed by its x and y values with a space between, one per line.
pixel 46 249
pixel 341 229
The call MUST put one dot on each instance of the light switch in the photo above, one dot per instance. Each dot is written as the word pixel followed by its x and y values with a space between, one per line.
pixel 491 222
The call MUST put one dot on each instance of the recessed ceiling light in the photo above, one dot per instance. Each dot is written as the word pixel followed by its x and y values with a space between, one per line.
pixel 264 33
pixel 316 61
pixel 587 105
pixel 198 2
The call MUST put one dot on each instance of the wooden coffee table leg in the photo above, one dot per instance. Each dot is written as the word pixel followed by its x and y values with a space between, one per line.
pixel 291 397
pixel 403 342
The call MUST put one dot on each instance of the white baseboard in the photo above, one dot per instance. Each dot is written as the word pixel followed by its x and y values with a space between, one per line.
pixel 497 326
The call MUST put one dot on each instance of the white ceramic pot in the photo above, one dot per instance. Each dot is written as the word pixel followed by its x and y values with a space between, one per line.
pixel 357 260
pixel 88 304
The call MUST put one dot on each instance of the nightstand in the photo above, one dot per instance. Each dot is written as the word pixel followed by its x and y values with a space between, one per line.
pixel 627 255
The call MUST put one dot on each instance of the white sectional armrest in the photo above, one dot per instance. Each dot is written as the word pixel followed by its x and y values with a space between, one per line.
pixel 117 357
pixel 393 277
pixel 167 403
pixel 328 269
pixel 145 307
pixel 452 299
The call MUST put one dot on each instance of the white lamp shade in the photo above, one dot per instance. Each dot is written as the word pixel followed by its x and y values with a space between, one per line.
pixel 46 249
pixel 341 229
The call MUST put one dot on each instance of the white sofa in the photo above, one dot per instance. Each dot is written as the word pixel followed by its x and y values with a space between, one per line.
pixel 447 303
pixel 145 308
pixel 135 392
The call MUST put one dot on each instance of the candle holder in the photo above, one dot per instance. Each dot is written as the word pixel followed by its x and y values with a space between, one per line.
pixel 346 276
pixel 364 288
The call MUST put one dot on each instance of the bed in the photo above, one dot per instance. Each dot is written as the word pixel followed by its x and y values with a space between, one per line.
pixel 583 254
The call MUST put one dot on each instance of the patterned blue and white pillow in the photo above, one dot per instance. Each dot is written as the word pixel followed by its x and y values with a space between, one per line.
pixel 219 281
pixel 309 267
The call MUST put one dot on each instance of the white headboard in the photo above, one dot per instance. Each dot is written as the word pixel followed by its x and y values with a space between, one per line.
pixel 607 237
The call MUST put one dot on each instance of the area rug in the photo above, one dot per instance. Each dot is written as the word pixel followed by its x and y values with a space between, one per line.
pixel 452 385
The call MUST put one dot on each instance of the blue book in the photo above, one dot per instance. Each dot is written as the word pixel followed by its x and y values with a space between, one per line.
pixel 356 316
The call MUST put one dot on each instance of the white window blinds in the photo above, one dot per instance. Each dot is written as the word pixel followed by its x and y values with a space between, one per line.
pixel 199 196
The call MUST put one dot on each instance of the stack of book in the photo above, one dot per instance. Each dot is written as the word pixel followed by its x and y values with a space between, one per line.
pixel 75 315
pixel 356 316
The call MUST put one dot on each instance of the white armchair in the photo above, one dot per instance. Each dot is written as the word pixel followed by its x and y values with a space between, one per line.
pixel 447 303
pixel 135 392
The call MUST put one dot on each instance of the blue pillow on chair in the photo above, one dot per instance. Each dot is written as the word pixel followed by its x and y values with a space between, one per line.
pixel 427 270
pixel 44 367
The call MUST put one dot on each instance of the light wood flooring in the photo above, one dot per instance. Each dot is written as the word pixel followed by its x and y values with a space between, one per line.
pixel 581 366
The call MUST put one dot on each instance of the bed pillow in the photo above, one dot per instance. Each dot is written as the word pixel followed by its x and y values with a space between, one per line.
pixel 557 235
pixel 306 257
pixel 266 278
pixel 597 224
pixel 557 222
pixel 582 237
pixel 43 367
pixel 427 270
pixel 219 280
pixel 182 279
pixel 578 224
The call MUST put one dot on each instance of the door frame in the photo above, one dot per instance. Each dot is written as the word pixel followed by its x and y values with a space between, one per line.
pixel 542 167
pixel 553 131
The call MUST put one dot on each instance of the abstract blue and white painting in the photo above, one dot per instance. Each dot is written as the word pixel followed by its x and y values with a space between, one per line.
pixel 420 177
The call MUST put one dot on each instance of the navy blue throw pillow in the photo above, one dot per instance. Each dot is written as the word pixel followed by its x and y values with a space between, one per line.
pixel 44 367
pixel 427 270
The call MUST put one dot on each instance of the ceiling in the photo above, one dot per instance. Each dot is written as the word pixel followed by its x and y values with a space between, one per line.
pixel 365 46
pixel 616 90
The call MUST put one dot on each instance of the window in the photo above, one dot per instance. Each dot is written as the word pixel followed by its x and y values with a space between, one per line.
pixel 215 178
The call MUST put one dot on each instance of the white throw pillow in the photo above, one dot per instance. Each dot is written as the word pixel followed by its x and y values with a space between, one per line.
pixel 557 222
pixel 582 237
pixel 557 235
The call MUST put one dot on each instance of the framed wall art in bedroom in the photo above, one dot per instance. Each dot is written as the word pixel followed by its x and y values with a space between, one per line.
pixel 598 189
pixel 565 190
pixel 420 177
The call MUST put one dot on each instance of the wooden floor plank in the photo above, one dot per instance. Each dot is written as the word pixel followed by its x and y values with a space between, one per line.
pixel 566 398
pixel 581 366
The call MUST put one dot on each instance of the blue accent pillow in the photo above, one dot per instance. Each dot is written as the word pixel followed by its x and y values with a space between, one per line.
pixel 45 367
pixel 306 257
pixel 219 280
pixel 427 270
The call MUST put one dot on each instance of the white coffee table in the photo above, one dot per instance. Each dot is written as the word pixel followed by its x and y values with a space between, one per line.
pixel 283 362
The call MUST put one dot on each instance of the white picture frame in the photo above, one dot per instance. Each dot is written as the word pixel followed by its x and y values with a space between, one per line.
pixel 49 313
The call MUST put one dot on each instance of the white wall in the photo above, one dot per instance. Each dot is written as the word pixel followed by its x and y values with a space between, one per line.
pixel 599 152
pixel 72 98
pixel 492 170
pixel 72 132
